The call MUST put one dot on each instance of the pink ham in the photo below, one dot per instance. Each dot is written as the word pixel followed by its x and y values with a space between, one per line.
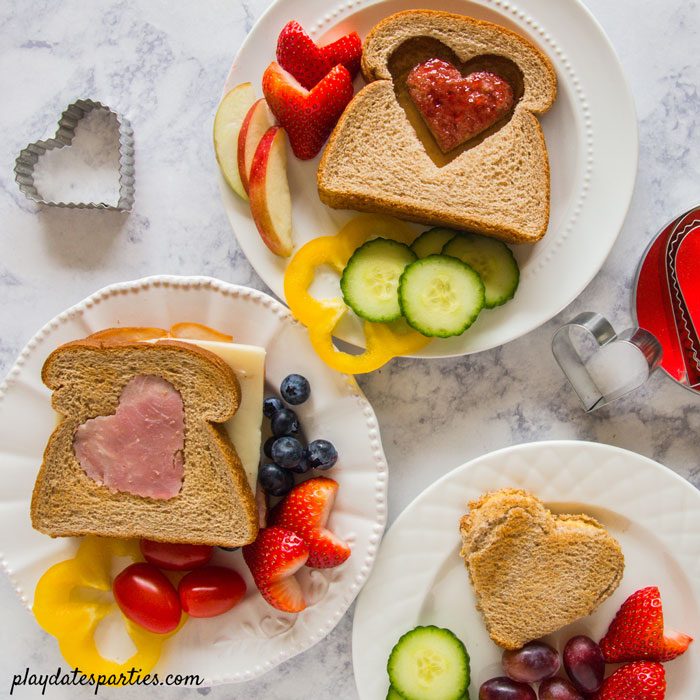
pixel 137 450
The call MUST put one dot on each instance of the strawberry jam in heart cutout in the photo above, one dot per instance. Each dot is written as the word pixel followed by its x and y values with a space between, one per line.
pixel 438 75
pixel 456 108
pixel 138 449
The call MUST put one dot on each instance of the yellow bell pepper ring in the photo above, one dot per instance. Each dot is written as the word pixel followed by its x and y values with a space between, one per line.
pixel 383 341
pixel 68 605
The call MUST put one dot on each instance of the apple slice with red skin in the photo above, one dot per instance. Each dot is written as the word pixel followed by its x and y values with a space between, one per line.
pixel 256 122
pixel 268 189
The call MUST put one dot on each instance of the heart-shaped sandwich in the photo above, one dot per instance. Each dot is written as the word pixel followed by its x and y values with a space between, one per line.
pixel 534 572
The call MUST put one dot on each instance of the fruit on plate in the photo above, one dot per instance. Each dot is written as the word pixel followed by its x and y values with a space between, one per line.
pixel 227 124
pixel 210 591
pixel 531 664
pixel 295 389
pixel 308 116
pixel 145 595
pixel 298 54
pixel 175 557
pixel 637 632
pixel 257 121
pixel 584 663
pixel 275 480
pixel 504 688
pixel 429 663
pixel 558 689
pixel 320 454
pixel 273 559
pixel 640 680
pixel 305 511
pixel 268 189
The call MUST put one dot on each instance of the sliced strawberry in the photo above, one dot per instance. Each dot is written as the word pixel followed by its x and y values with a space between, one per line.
pixel 347 51
pixel 305 511
pixel 298 54
pixel 273 559
pixel 641 680
pixel 637 631
pixel 308 116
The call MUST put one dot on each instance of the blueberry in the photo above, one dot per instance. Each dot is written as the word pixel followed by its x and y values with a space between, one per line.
pixel 274 480
pixel 320 454
pixel 284 422
pixel 271 405
pixel 287 451
pixel 267 447
pixel 295 389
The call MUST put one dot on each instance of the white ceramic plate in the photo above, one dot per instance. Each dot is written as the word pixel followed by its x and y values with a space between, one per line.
pixel 591 134
pixel 253 637
pixel 419 577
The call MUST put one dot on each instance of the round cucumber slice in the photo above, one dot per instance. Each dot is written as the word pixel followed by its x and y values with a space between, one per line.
pixel 432 242
pixel 429 663
pixel 394 694
pixel 440 296
pixel 494 262
pixel 370 280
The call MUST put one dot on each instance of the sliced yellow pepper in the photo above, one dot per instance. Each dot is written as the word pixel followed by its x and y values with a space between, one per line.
pixel 383 341
pixel 67 605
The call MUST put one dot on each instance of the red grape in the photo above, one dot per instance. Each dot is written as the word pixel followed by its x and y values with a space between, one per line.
pixel 584 663
pixel 502 688
pixel 558 689
pixel 531 664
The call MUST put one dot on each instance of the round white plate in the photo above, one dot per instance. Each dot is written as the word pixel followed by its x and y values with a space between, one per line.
pixel 591 135
pixel 419 577
pixel 253 637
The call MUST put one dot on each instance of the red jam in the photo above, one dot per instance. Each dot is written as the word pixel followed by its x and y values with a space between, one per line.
pixel 455 107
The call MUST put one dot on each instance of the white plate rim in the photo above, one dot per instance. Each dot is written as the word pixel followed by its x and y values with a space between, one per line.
pixel 200 282
pixel 659 470
pixel 626 140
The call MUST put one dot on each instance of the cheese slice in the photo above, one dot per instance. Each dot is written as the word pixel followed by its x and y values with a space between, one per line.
pixel 245 428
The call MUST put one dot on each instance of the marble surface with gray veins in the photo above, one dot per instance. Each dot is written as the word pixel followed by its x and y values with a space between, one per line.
pixel 163 63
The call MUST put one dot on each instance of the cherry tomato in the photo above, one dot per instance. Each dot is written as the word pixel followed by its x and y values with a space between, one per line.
pixel 146 597
pixel 210 591
pixel 176 557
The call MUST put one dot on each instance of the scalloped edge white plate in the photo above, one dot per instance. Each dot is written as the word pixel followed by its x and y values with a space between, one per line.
pixel 591 133
pixel 419 577
pixel 253 637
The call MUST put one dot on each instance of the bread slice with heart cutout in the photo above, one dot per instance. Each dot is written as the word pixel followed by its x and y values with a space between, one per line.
pixel 382 158
pixel 211 503
pixel 534 572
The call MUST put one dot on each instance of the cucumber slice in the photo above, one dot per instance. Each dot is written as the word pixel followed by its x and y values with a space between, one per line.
pixel 371 278
pixel 432 242
pixel 429 663
pixel 440 296
pixel 394 694
pixel 494 262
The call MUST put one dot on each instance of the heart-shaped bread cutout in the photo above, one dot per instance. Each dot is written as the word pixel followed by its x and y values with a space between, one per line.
pixel 138 449
pixel 457 107
pixel 534 572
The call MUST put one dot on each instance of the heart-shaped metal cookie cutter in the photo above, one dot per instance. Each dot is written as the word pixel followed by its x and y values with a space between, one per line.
pixel 74 113
pixel 598 383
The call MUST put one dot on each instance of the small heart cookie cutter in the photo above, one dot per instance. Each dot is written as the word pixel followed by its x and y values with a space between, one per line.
pixel 74 113
pixel 597 384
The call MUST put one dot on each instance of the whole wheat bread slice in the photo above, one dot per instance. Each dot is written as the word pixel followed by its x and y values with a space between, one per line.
pixel 375 160
pixel 534 572
pixel 215 505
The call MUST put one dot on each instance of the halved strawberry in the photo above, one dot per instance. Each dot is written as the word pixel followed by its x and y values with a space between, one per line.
pixel 273 559
pixel 641 680
pixel 347 51
pixel 308 116
pixel 305 511
pixel 637 631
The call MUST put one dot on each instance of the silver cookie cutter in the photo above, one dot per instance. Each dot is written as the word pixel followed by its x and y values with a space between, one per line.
pixel 74 113
pixel 597 386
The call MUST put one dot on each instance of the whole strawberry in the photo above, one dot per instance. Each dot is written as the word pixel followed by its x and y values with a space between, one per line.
pixel 305 511
pixel 637 632
pixel 641 680
pixel 308 116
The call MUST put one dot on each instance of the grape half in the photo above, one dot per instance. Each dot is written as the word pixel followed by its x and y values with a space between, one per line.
pixel 502 688
pixel 584 663
pixel 558 689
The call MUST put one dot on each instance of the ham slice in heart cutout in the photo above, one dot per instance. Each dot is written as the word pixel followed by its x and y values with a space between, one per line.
pixel 457 108
pixel 138 449
pixel 688 274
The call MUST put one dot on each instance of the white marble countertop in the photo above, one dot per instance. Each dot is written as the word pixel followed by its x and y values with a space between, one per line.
pixel 163 64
